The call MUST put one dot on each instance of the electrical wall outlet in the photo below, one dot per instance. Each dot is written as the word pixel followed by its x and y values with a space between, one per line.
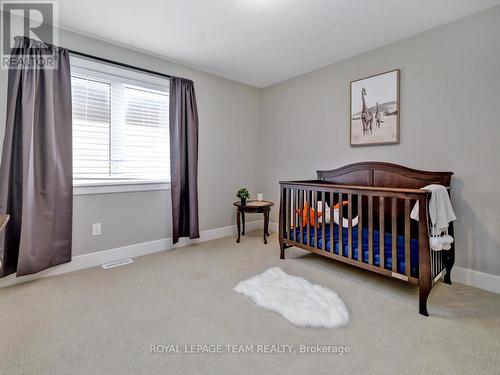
pixel 96 229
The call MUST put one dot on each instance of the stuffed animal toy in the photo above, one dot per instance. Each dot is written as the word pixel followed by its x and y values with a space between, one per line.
pixel 309 214
pixel 336 214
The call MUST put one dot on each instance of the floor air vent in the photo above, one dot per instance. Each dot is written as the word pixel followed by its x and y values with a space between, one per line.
pixel 117 263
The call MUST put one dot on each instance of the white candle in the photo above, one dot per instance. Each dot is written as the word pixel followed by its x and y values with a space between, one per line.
pixel 260 196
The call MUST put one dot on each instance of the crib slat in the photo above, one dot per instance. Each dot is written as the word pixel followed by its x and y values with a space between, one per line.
pixel 381 206
pixel 394 240
pixel 315 213
pixel 433 264
pixel 349 217
pixel 407 237
pixel 323 219
pixel 332 203
pixel 333 220
pixel 301 215
pixel 287 212
pixel 284 213
pixel 293 193
pixel 308 199
pixel 437 257
pixel 360 228
pixel 370 229
pixel 291 213
pixel 436 262
pixel 340 226
pixel 441 262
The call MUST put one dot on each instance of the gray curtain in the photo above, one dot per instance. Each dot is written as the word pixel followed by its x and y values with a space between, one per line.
pixel 36 169
pixel 184 159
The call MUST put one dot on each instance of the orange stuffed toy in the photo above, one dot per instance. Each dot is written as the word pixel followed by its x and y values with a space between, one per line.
pixel 344 203
pixel 309 212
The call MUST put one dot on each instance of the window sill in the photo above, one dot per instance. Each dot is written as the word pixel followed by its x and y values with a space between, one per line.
pixel 117 186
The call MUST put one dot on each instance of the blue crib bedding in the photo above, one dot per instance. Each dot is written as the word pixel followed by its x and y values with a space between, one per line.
pixel 304 238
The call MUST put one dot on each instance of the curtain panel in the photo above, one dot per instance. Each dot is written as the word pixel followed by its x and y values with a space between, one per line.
pixel 184 159
pixel 36 187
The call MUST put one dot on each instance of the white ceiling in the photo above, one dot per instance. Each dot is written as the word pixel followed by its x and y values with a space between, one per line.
pixel 259 42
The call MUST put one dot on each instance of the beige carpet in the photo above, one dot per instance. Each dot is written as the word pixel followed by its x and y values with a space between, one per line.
pixel 103 322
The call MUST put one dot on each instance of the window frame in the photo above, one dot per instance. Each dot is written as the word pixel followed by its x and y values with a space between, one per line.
pixel 102 71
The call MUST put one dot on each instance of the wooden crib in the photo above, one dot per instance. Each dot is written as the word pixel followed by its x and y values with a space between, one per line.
pixel 380 197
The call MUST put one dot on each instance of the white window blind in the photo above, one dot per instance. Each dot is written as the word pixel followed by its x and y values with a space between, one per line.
pixel 120 125
pixel 91 128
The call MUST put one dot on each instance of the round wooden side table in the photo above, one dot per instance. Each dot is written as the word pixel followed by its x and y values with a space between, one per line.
pixel 253 207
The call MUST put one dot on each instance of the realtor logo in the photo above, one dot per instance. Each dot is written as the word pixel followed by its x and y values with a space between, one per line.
pixel 36 20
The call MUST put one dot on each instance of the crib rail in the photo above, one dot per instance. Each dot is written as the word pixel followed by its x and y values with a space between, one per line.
pixel 379 234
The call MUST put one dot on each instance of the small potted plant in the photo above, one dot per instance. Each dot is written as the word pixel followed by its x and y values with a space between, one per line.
pixel 243 194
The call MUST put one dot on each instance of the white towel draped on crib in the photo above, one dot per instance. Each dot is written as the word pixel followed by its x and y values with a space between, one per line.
pixel 441 214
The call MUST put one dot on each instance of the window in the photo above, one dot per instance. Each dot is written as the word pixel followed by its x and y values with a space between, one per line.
pixel 120 125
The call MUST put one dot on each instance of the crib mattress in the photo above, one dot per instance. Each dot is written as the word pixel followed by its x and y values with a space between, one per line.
pixel 304 238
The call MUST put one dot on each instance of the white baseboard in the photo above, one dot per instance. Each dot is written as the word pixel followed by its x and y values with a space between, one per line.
pixel 131 251
pixel 476 279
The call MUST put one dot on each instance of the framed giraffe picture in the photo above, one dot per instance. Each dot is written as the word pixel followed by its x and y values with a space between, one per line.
pixel 374 110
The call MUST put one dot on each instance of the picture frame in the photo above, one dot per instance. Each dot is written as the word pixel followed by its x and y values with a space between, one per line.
pixel 374 109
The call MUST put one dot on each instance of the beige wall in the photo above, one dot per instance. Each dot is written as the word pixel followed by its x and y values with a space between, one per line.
pixel 450 97
pixel 228 112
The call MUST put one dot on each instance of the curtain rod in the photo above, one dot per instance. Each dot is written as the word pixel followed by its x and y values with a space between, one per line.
pixel 118 63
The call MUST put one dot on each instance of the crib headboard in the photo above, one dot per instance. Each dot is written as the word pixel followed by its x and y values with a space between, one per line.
pixel 384 175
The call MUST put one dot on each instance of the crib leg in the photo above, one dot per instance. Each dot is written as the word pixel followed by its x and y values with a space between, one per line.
pixel 423 294
pixel 450 258
pixel 282 250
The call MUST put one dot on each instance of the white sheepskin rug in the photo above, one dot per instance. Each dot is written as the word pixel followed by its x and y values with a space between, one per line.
pixel 296 299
